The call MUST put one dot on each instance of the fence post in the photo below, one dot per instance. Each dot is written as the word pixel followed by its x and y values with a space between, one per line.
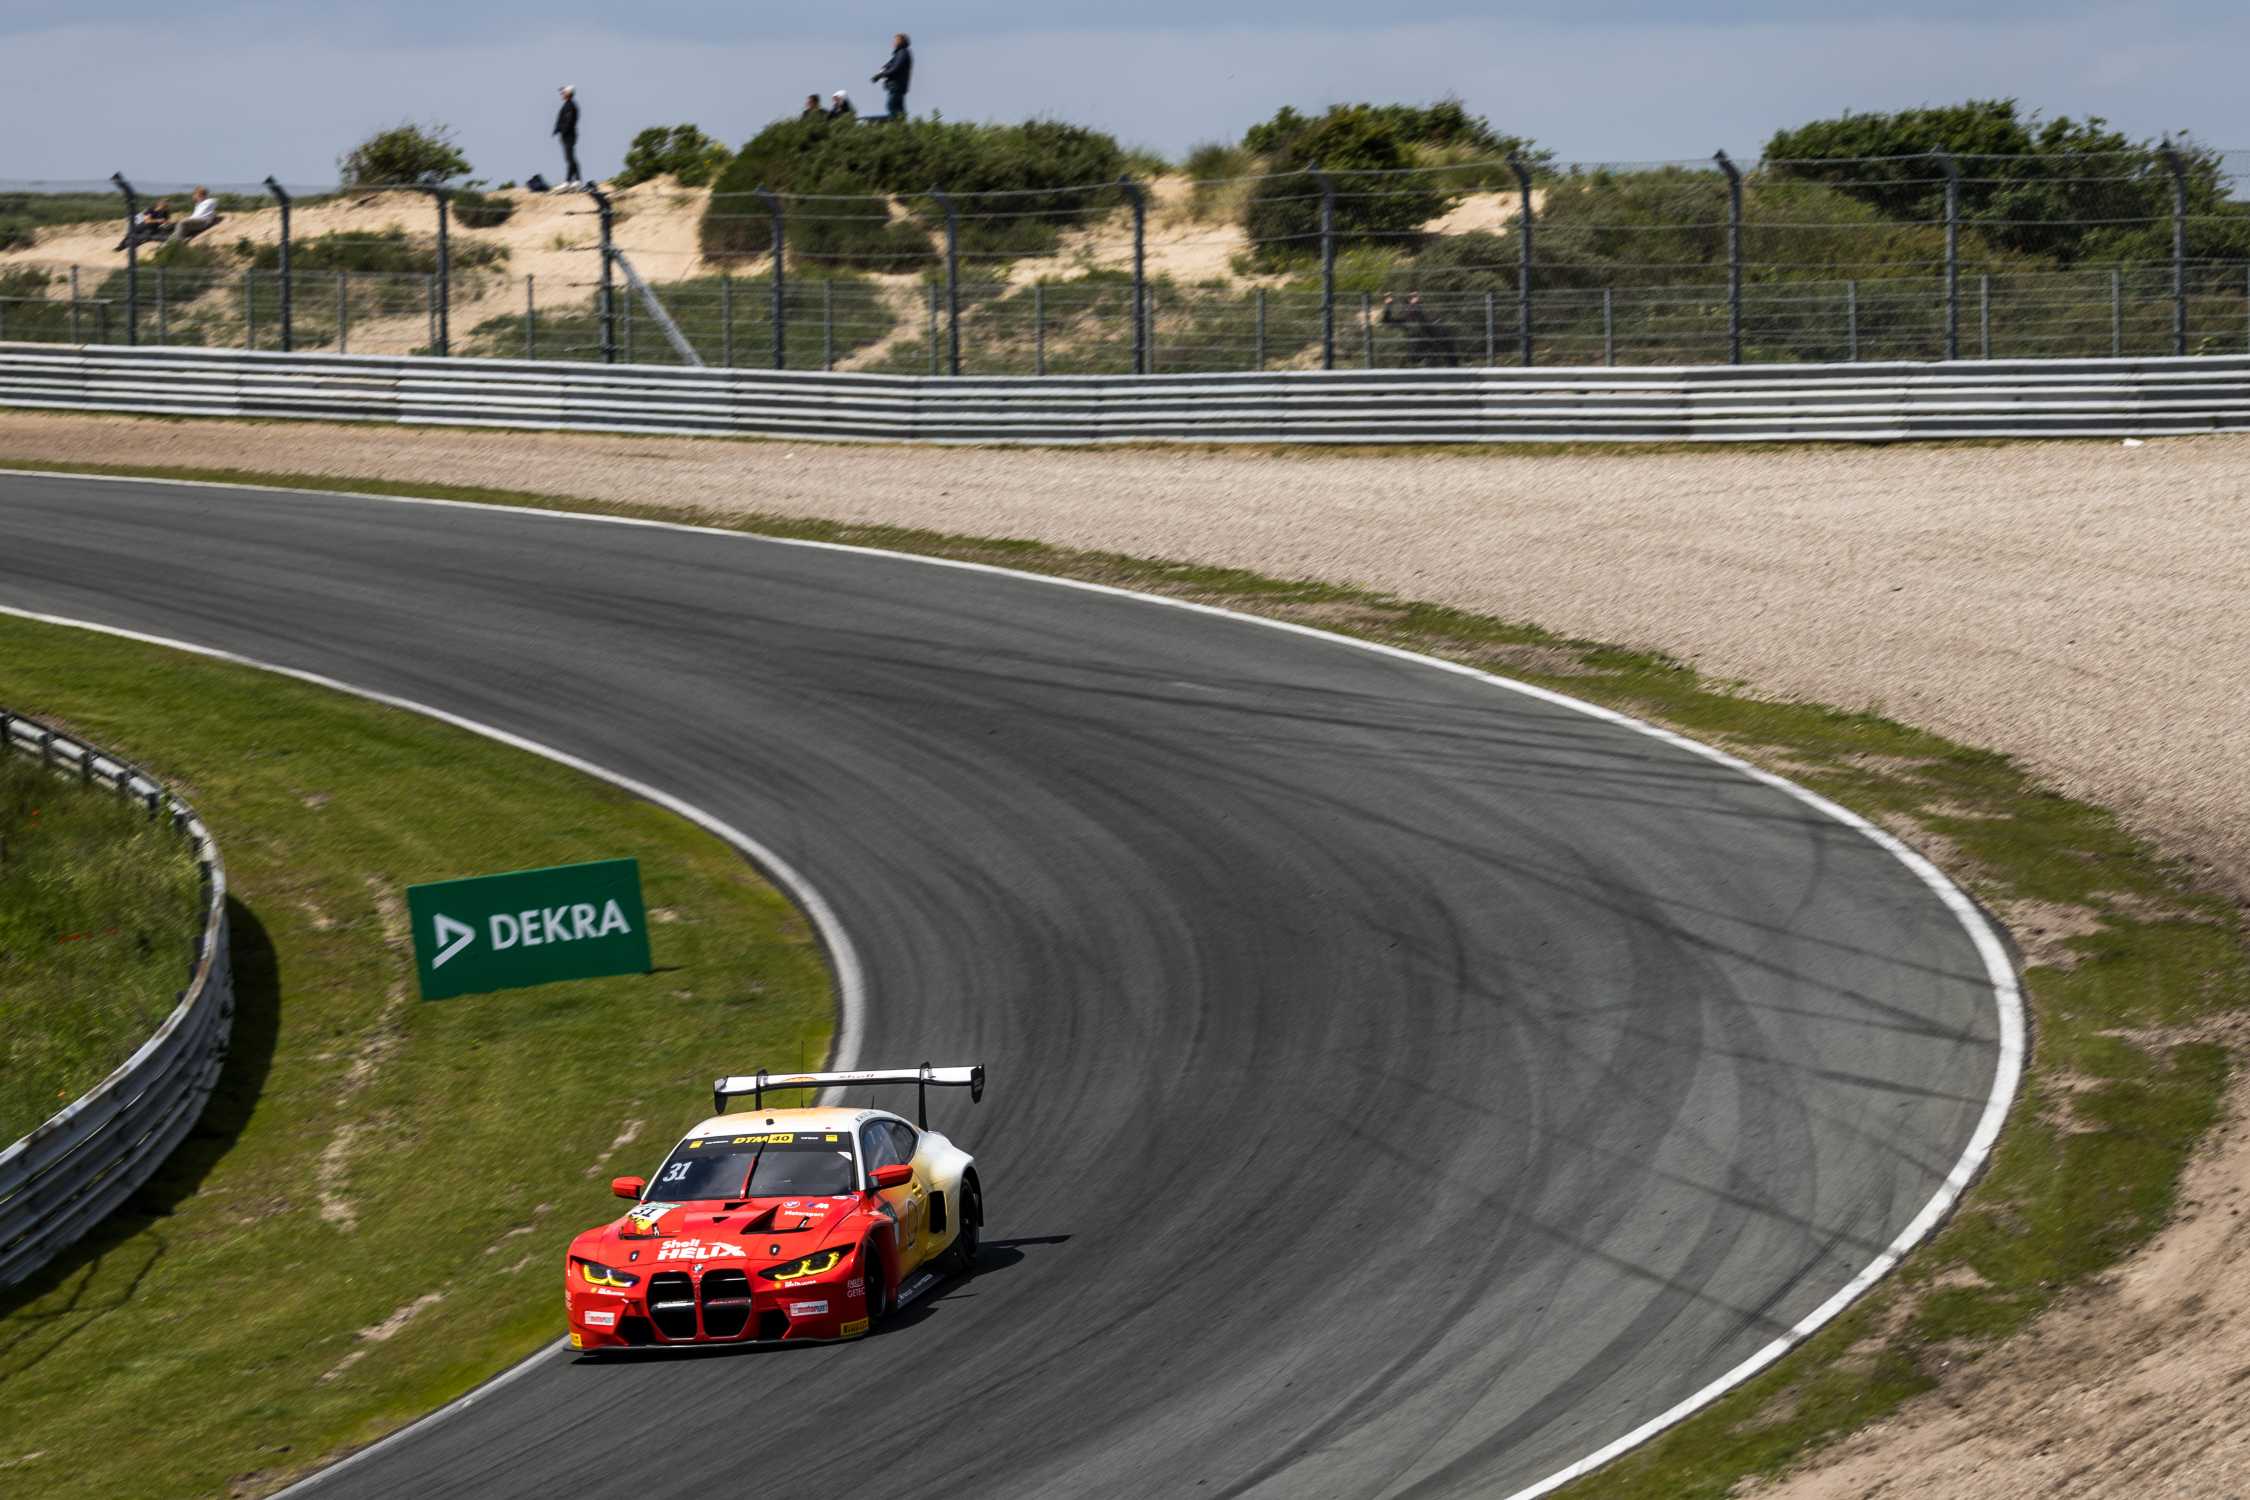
pixel 443 286
pixel 1491 330
pixel 1734 256
pixel 1152 335
pixel 1140 274
pixel 932 288
pixel 1984 315
pixel 163 320
pixel 530 316
pixel 1039 328
pixel 1517 165
pixel 1327 267
pixel 132 260
pixel 288 313
pixel 343 313
pixel 74 306
pixel 1260 349
pixel 1367 329
pixel 2178 169
pixel 608 295
pixel 249 308
pixel 726 320
pixel 1851 321
pixel 952 283
pixel 1952 170
pixel 2116 314
pixel 1609 327
pixel 429 304
pixel 780 284
pixel 828 323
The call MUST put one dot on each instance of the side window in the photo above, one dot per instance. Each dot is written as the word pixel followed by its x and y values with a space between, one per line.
pixel 904 1139
pixel 875 1146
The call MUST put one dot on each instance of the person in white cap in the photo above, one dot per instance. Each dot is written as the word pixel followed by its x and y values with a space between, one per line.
pixel 840 106
pixel 566 126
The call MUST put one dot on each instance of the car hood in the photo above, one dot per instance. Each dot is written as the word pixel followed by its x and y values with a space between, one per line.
pixel 757 1229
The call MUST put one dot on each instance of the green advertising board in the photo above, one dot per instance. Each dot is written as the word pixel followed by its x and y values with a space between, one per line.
pixel 501 932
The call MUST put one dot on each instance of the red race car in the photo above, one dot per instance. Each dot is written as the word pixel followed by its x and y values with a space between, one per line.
pixel 777 1225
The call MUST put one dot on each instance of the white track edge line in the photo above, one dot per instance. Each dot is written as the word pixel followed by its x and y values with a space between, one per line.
pixel 1999 969
pixel 851 992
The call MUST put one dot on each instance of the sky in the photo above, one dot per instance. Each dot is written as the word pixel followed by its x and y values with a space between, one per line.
pixel 228 91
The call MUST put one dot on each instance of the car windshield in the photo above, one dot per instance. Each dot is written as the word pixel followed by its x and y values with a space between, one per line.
pixel 769 1164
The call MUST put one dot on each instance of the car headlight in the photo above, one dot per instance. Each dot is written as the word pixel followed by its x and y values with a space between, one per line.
pixel 594 1273
pixel 819 1263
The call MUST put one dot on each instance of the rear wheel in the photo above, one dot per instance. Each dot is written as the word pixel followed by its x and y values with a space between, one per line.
pixel 962 1254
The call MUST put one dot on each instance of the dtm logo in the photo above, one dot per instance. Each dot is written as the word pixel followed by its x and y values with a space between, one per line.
pixel 696 1250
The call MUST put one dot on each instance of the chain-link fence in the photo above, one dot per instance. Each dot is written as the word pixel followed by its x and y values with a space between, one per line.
pixel 1472 263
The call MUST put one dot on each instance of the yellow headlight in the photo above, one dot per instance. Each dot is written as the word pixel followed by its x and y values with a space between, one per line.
pixel 819 1263
pixel 594 1273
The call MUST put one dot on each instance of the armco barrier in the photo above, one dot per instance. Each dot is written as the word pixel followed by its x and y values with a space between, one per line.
pixel 1853 402
pixel 74 1170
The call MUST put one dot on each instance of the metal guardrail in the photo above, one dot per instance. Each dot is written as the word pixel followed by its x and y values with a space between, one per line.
pixel 1855 402
pixel 78 1167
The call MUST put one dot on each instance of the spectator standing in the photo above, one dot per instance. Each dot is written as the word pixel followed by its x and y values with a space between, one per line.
pixel 895 76
pixel 566 126
pixel 812 109
pixel 1428 342
pixel 840 106
pixel 202 215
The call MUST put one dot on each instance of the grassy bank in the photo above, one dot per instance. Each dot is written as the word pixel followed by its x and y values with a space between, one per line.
pixel 2130 969
pixel 99 911
pixel 370 1217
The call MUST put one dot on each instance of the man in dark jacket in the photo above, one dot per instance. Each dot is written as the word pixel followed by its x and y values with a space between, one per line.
pixel 566 126
pixel 1428 342
pixel 895 76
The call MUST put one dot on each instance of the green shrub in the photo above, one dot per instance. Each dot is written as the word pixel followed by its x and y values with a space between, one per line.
pixel 386 251
pixel 682 152
pixel 406 155
pixel 2075 191
pixel 1056 172
pixel 474 210
pixel 1282 216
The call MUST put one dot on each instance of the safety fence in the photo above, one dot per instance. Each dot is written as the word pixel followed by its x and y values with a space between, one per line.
pixel 1869 401
pixel 80 1165
pixel 1521 259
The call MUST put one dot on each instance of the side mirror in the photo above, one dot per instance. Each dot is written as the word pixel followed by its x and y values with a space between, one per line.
pixel 629 1187
pixel 897 1174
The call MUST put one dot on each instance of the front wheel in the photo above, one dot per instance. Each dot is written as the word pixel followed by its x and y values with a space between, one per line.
pixel 878 1284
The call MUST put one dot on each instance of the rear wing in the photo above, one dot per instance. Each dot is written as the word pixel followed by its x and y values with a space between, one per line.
pixel 756 1084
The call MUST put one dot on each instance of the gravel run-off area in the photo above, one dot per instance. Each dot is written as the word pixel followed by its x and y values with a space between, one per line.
pixel 2084 606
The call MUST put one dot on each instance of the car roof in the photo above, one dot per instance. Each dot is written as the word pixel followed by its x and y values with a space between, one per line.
pixel 816 1118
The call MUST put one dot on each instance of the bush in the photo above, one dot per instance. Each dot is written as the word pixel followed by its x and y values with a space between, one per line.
pixel 387 251
pixel 1059 173
pixel 2072 190
pixel 1282 216
pixel 681 152
pixel 1446 123
pixel 474 210
pixel 406 155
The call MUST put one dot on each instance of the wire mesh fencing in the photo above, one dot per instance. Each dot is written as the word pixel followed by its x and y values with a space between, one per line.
pixel 1456 264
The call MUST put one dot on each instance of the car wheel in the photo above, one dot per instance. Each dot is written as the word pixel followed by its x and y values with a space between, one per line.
pixel 963 1252
pixel 878 1284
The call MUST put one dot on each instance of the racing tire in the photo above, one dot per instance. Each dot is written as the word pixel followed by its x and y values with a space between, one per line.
pixel 879 1293
pixel 961 1255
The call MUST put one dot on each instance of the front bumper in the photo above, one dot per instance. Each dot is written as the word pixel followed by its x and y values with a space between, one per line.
pixel 719 1304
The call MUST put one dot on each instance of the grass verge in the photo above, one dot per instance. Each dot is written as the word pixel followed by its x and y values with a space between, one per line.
pixel 2129 992
pixel 370 1217
pixel 99 912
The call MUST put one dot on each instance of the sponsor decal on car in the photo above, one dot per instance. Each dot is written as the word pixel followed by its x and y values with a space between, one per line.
pixel 576 1342
pixel 856 1287
pixel 850 1330
pixel 601 1320
pixel 642 1221
pixel 807 1309
pixel 696 1250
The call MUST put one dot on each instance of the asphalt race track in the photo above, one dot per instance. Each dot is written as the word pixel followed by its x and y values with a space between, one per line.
pixel 1400 1085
